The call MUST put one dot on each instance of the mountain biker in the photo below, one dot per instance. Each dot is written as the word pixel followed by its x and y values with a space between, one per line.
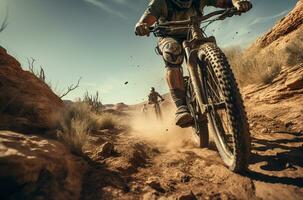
pixel 171 47
pixel 153 96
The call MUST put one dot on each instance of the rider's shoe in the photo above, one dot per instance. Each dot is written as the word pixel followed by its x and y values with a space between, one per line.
pixel 183 117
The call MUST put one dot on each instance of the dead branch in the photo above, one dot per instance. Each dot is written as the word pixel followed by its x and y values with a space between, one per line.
pixel 5 22
pixel 38 73
pixel 71 88
pixel 42 74
pixel 31 65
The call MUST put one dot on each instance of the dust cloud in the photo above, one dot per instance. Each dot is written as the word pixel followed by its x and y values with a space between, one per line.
pixel 162 133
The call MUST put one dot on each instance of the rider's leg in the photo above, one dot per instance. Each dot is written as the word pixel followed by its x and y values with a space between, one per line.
pixel 173 57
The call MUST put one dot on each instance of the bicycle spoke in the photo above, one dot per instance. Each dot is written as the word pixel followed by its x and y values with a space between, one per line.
pixel 213 91
pixel 211 72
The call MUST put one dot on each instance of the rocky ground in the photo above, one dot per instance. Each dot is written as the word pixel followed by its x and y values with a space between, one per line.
pixel 162 163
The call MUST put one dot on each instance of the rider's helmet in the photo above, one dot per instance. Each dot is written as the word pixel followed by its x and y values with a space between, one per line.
pixel 152 89
pixel 183 3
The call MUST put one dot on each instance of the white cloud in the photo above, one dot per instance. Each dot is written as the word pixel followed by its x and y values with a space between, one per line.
pixel 105 7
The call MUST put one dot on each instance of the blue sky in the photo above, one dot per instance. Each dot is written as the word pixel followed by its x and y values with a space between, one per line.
pixel 94 39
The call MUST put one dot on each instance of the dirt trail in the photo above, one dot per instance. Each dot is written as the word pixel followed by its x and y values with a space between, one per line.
pixel 153 161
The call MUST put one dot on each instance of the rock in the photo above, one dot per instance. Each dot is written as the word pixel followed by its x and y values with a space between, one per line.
pixel 187 196
pixel 32 167
pixel 150 196
pixel 289 124
pixel 26 103
pixel 120 106
pixel 288 24
pixel 264 130
pixel 295 80
pixel 185 178
pixel 155 185
pixel 106 150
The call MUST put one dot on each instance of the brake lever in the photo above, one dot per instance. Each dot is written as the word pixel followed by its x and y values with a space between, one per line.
pixel 157 31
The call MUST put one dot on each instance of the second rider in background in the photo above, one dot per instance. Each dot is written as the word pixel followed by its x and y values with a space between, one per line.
pixel 153 96
pixel 171 47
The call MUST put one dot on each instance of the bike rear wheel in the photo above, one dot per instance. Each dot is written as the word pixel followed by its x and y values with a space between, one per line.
pixel 158 111
pixel 226 112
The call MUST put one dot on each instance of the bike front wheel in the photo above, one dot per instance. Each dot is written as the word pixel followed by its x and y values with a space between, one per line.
pixel 200 125
pixel 226 112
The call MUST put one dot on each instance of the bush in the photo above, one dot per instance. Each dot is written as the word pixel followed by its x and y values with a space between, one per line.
pixel 79 121
pixel 261 66
pixel 107 121
pixel 94 101
pixel 253 67
pixel 293 51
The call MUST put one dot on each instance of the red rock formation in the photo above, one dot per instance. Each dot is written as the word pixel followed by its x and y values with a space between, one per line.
pixel 32 167
pixel 26 103
pixel 288 24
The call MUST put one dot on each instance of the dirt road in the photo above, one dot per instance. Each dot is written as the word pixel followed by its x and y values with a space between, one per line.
pixel 153 161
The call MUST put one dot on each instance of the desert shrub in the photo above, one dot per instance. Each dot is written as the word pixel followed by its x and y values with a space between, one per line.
pixel 293 51
pixel 79 121
pixel 76 124
pixel 94 101
pixel 254 67
pixel 107 121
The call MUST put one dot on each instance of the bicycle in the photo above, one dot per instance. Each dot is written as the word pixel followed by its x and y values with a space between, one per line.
pixel 212 92
pixel 157 109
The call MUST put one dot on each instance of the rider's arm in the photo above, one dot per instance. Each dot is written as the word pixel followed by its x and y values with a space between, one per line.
pixel 160 96
pixel 242 5
pixel 150 16
pixel 220 3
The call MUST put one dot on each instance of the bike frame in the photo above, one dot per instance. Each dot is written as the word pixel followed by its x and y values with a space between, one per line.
pixel 195 39
pixel 191 46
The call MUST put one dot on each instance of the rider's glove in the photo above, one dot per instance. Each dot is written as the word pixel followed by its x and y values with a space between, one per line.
pixel 142 29
pixel 243 5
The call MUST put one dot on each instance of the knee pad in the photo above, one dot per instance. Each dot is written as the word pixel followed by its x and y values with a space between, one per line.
pixel 172 54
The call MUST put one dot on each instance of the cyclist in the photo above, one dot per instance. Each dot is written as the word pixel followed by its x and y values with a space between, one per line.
pixel 153 96
pixel 171 47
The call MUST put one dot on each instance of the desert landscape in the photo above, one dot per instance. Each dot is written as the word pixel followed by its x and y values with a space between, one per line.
pixel 64 150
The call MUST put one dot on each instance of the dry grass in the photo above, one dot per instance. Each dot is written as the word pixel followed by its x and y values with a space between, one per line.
pixel 108 121
pixel 79 121
pixel 261 66
pixel 252 67
pixel 94 101
pixel 293 51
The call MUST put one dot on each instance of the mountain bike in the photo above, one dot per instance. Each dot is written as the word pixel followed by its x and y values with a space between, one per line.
pixel 157 109
pixel 213 97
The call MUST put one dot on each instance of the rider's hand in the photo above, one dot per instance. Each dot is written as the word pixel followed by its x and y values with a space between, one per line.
pixel 142 29
pixel 243 5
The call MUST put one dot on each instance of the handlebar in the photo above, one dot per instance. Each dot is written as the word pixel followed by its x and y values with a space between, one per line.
pixel 223 14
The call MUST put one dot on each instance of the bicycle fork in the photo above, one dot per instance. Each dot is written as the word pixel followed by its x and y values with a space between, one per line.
pixel 191 63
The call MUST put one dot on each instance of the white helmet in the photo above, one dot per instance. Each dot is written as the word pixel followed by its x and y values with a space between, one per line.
pixel 183 3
